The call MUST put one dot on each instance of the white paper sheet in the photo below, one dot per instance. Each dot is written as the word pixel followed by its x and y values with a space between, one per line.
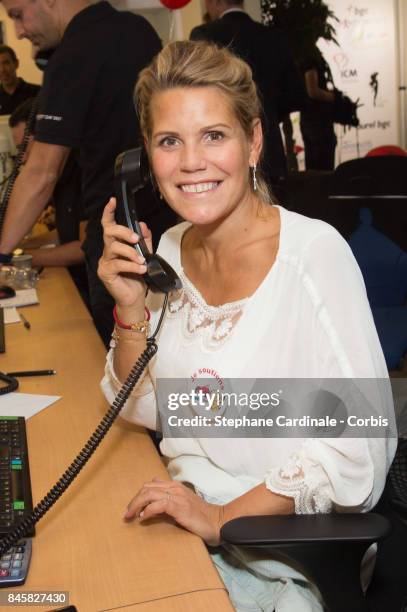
pixel 11 315
pixel 25 404
pixel 23 297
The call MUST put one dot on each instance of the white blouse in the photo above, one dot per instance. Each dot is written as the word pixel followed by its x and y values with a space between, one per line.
pixel 309 318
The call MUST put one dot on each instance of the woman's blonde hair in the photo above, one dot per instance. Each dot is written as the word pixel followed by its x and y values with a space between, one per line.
pixel 201 64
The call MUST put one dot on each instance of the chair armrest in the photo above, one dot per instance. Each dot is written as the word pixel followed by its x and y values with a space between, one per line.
pixel 305 529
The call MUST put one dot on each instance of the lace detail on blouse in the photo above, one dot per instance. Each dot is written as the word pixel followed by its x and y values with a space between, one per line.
pixel 213 323
pixel 297 480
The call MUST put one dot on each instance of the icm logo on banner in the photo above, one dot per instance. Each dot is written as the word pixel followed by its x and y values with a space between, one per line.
pixel 346 70
pixel 364 67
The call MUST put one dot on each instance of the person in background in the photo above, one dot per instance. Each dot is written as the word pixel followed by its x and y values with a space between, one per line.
pixel 266 294
pixel 62 246
pixel 85 104
pixel 317 117
pixel 13 89
pixel 304 22
pixel 267 52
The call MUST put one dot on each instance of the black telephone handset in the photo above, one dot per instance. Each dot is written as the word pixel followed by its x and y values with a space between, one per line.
pixel 131 174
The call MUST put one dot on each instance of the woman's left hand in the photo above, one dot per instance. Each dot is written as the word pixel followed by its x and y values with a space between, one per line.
pixel 176 500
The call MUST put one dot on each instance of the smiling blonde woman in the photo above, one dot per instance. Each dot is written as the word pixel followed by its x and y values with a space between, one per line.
pixel 266 294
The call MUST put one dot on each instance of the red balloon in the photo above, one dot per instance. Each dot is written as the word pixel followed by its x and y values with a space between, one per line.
pixel 174 4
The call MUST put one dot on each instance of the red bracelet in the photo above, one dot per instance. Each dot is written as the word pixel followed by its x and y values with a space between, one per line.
pixel 125 325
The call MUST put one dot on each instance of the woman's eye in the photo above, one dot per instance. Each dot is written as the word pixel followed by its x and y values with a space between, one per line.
pixel 168 141
pixel 214 136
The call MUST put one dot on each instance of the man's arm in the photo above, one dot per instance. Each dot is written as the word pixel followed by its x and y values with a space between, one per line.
pixel 68 254
pixel 32 191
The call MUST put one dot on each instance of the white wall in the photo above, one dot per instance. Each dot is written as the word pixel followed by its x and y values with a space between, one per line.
pixel 367 37
pixel 191 16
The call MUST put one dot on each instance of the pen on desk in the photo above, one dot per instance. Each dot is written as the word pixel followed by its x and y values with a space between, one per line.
pixel 27 324
pixel 32 373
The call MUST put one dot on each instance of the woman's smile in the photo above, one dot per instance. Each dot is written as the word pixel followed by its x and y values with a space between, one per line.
pixel 197 188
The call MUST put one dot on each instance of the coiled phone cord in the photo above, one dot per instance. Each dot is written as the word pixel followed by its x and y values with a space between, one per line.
pixel 18 162
pixel 89 447
pixel 11 384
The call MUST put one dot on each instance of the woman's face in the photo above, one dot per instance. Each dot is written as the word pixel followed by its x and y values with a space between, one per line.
pixel 200 154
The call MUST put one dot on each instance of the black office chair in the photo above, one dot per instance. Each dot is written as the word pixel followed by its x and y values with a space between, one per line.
pixel 377 183
pixel 375 176
pixel 388 589
pixel 329 548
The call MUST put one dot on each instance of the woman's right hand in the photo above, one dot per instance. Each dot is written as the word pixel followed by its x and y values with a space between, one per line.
pixel 121 267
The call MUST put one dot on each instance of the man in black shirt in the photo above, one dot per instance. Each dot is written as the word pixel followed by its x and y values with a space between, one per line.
pixel 67 203
pixel 13 90
pixel 86 103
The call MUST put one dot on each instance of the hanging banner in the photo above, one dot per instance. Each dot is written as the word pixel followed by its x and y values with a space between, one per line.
pixel 364 67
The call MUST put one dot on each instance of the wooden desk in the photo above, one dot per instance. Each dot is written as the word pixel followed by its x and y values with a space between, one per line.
pixel 82 545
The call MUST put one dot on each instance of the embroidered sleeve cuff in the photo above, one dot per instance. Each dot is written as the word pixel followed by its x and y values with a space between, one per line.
pixel 343 474
pixel 302 481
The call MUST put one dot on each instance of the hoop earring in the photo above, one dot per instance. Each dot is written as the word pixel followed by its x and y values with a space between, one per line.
pixel 254 170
